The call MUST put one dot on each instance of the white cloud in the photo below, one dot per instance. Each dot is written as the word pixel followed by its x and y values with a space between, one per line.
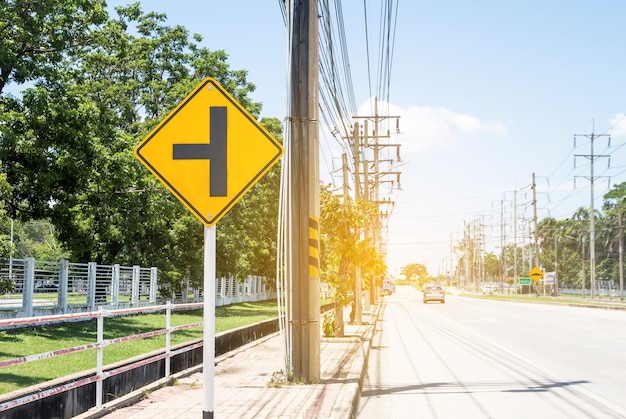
pixel 618 125
pixel 425 127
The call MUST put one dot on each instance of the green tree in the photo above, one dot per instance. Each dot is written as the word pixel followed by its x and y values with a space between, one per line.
pixel 6 248
pixel 246 236
pixel 342 248
pixel 549 230
pixel 37 239
pixel 415 270
pixel 493 267
pixel 614 207
pixel 74 132
pixel 509 261
pixel 35 36
pixel 566 241
pixel 578 226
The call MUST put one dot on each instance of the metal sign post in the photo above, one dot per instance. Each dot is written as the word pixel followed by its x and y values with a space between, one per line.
pixel 209 151
pixel 208 350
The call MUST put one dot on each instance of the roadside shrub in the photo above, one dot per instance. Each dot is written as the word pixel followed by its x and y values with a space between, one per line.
pixel 328 326
pixel 6 286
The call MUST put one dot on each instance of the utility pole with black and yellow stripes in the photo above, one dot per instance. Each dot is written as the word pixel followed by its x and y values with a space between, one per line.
pixel 304 204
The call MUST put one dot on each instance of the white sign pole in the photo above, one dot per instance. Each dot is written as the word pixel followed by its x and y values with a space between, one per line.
pixel 208 350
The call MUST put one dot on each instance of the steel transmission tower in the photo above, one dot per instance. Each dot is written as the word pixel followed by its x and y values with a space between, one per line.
pixel 592 240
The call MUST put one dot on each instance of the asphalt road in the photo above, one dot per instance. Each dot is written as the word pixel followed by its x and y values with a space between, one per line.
pixel 473 358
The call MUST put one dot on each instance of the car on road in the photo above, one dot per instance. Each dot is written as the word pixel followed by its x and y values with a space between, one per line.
pixel 434 293
pixel 389 287
pixel 46 287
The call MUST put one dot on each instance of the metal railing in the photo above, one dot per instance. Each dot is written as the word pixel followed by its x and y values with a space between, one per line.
pixel 75 287
pixel 48 288
pixel 99 345
pixel 601 291
pixel 253 288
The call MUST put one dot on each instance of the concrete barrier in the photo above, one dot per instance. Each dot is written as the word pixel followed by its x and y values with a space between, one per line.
pixel 76 400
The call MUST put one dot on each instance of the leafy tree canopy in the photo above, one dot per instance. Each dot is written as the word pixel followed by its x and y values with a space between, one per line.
pixel 97 86
pixel 417 269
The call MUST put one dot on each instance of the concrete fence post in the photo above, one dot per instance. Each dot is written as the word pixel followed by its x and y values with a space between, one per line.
pixel 91 285
pixel 115 292
pixel 63 285
pixel 29 286
pixel 135 288
pixel 153 284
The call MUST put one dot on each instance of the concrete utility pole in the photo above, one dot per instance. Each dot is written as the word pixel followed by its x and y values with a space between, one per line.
pixel 583 264
pixel 621 254
pixel 304 198
pixel 450 269
pixel 556 263
pixel 468 276
pixel 370 147
pixel 482 247
pixel 344 170
pixel 534 187
pixel 592 233
pixel 515 277
pixel 502 241
pixel 369 234
pixel 366 148
pixel 475 259
pixel 356 155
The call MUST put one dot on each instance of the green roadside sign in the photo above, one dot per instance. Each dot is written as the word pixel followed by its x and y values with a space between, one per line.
pixel 524 281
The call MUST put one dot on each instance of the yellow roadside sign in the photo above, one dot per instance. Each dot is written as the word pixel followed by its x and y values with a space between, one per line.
pixel 536 274
pixel 209 151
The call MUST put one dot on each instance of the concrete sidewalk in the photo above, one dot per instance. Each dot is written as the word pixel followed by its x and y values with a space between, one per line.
pixel 244 383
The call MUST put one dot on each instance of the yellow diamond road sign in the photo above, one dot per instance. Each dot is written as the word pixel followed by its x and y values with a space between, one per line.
pixel 536 274
pixel 209 151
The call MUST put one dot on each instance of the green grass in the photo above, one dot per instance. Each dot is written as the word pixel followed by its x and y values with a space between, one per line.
pixel 562 299
pixel 53 297
pixel 30 341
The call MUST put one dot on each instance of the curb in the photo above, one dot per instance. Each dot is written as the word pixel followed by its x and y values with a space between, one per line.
pixel 608 305
pixel 133 397
pixel 347 403
pixel 345 406
pixel 140 394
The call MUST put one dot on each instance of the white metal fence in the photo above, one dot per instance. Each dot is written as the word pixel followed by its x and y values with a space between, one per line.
pixel 44 288
pixel 253 288
pixel 609 289
pixel 99 345
pixel 47 288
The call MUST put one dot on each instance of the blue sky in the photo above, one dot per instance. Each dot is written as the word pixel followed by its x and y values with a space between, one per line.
pixel 489 92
